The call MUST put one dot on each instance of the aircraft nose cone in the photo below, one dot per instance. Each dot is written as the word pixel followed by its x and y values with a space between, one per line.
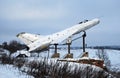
pixel 97 20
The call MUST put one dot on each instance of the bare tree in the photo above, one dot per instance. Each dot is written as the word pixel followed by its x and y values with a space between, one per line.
pixel 102 54
pixel 13 46
pixel 5 45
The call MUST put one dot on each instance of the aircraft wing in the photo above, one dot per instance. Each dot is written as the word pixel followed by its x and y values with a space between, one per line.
pixel 63 36
pixel 60 40
pixel 28 38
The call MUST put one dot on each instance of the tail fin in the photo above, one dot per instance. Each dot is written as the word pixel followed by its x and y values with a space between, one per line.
pixel 28 38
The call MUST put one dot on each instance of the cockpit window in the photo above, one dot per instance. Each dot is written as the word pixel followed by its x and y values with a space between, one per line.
pixel 80 22
pixel 85 21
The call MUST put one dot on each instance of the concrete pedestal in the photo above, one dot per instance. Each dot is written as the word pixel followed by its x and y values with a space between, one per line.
pixel 69 55
pixel 55 55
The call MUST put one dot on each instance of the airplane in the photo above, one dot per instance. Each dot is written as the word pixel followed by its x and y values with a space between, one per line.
pixel 37 42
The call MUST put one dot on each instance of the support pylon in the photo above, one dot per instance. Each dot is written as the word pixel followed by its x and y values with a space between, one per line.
pixel 84 35
pixel 69 55
pixel 55 55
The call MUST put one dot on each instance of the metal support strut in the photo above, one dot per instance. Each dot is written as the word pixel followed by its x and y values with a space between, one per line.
pixel 55 55
pixel 55 48
pixel 69 41
pixel 84 35
pixel 69 55
pixel 68 47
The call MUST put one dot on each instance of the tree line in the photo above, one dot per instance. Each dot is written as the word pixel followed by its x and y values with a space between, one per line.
pixel 13 46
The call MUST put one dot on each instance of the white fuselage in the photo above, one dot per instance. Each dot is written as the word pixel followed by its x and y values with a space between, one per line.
pixel 58 37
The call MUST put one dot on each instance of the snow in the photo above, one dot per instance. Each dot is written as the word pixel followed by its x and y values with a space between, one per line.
pixel 71 65
pixel 8 71
pixel 113 55
pixel 20 52
pixel 3 51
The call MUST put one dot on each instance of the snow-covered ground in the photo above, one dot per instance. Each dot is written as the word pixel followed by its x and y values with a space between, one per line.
pixel 113 55
pixel 8 71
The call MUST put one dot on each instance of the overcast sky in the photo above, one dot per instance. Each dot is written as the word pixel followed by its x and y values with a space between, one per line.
pixel 50 16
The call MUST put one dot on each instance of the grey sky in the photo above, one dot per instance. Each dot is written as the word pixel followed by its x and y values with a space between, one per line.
pixel 50 16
